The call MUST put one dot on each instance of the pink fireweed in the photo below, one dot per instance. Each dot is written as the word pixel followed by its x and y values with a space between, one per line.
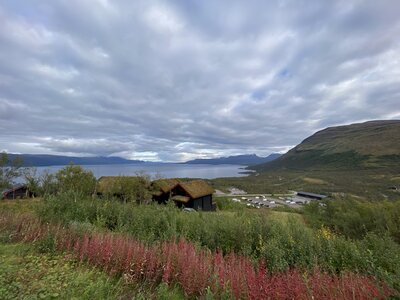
pixel 181 263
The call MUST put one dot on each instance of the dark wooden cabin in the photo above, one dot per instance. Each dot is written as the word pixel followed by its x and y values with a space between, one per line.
pixel 196 194
pixel 17 192
pixel 162 189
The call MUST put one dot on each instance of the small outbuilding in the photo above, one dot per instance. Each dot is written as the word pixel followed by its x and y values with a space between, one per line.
pixel 311 195
pixel 17 192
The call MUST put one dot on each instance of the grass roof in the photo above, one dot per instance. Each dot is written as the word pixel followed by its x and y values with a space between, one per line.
pixel 165 185
pixel 197 188
pixel 180 198
pixel 111 184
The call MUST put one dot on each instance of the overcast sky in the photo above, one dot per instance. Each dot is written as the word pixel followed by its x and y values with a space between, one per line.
pixel 183 79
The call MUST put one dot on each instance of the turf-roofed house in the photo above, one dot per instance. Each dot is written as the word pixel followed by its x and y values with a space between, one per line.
pixel 120 186
pixel 196 194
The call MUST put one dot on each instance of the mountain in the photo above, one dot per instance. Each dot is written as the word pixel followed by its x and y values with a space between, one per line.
pixel 358 146
pixel 37 160
pixel 245 159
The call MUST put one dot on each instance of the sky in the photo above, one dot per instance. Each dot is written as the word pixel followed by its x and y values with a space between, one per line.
pixel 184 79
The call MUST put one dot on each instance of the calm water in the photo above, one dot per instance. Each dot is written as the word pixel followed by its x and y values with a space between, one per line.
pixel 163 170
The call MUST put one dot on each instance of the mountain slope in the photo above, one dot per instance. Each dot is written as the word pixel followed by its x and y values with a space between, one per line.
pixel 246 160
pixel 357 146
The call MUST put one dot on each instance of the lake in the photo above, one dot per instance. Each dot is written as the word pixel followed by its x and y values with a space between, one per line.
pixel 162 170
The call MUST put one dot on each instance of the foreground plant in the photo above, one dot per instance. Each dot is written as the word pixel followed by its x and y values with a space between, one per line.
pixel 195 271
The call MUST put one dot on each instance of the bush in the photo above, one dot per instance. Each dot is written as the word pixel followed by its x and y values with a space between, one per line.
pixel 283 244
pixel 198 272
pixel 227 204
pixel 355 219
pixel 75 179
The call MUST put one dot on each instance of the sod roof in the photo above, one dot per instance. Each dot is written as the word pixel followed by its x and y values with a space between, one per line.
pixel 109 184
pixel 165 185
pixel 197 188
pixel 180 198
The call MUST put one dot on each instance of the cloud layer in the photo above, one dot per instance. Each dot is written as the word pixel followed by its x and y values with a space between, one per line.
pixel 182 79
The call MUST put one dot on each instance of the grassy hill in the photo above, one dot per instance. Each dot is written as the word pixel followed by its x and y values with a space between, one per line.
pixel 358 146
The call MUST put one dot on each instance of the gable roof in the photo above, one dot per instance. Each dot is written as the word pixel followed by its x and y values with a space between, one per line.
pixel 197 188
pixel 14 188
pixel 165 185
pixel 5 192
pixel 110 184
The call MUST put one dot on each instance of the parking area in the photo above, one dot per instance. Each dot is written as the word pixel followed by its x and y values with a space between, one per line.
pixel 269 201
pixel 260 201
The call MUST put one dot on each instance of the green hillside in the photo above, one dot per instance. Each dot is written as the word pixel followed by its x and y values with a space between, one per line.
pixel 358 146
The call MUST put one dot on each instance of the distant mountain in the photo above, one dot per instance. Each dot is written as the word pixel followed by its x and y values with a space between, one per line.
pixel 357 146
pixel 246 160
pixel 37 160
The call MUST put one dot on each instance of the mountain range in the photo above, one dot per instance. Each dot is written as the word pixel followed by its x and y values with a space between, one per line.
pixel 42 160
pixel 366 145
pixel 245 159
pixel 372 144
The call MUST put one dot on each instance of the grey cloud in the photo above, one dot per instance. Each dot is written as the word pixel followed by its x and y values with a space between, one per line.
pixel 173 80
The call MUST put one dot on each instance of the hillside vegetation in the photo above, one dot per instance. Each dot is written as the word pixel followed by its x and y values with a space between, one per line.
pixel 358 146
pixel 340 250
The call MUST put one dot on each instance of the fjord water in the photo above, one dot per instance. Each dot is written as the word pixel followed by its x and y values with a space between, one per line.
pixel 164 170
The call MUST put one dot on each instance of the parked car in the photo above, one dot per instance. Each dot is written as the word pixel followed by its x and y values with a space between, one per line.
pixel 188 209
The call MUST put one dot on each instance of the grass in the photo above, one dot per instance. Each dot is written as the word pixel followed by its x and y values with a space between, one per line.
pixel 284 217
pixel 283 240
pixel 20 205
pixel 25 273
pixel 314 180
pixel 197 272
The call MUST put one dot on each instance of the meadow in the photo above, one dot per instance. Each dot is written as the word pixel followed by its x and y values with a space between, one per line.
pixel 183 266
pixel 345 249
pixel 234 253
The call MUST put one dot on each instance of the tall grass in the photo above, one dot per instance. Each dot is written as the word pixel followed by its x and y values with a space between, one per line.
pixel 196 271
pixel 282 243
pixel 355 219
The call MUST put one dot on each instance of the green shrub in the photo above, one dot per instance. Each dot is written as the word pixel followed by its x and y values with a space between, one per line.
pixel 282 242
pixel 355 219
pixel 224 203
pixel 73 178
